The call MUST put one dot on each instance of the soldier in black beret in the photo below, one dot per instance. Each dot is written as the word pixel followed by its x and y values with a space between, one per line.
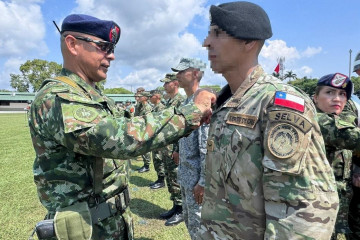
pixel 259 177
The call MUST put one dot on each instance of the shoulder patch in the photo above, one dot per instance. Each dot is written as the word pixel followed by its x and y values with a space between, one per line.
pixel 284 140
pixel 291 117
pixel 242 120
pixel 85 114
pixel 289 101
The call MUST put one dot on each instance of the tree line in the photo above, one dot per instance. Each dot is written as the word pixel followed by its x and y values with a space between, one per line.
pixel 34 72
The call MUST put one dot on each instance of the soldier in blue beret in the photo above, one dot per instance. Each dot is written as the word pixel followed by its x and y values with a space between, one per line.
pixel 81 139
pixel 267 176
pixel 338 120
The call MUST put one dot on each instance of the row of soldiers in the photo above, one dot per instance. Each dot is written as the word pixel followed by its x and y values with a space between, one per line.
pixel 164 164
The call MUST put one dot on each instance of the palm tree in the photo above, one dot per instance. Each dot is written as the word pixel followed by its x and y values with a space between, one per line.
pixel 290 74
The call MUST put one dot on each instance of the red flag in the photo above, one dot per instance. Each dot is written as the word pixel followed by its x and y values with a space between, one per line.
pixel 277 69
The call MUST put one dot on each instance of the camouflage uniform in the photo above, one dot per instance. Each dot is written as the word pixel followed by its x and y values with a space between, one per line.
pixel 267 176
pixel 129 111
pixel 142 110
pixel 73 127
pixel 157 154
pixel 191 171
pixel 344 128
pixel 169 164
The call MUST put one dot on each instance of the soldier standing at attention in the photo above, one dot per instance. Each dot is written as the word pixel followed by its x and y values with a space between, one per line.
pixel 79 137
pixel 143 109
pixel 174 215
pixel 192 149
pixel 158 160
pixel 267 176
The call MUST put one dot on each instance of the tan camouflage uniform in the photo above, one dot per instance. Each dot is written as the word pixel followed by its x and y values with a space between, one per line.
pixel 267 176
pixel 74 127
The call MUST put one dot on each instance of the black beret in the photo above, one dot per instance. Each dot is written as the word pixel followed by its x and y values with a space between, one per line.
pixel 107 30
pixel 337 80
pixel 242 20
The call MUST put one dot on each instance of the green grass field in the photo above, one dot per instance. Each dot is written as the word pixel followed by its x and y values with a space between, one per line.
pixel 20 208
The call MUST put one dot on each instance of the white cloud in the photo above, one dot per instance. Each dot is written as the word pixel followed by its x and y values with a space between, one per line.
pixel 311 51
pixel 22 29
pixel 10 66
pixel 273 49
pixel 153 36
pixel 306 70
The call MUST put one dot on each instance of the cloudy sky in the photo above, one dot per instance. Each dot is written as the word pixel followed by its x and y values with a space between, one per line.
pixel 314 36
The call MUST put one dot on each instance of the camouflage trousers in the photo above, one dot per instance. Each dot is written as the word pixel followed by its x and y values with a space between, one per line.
pixel 171 177
pixel 354 215
pixel 146 159
pixel 191 211
pixel 158 160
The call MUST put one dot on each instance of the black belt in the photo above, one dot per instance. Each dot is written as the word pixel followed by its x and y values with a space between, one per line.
pixel 111 206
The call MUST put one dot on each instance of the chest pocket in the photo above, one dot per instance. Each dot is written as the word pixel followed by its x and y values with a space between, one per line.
pixel 239 168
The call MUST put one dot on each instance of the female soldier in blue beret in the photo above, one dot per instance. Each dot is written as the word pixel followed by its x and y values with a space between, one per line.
pixel 340 132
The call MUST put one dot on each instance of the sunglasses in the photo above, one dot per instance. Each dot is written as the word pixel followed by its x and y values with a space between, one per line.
pixel 106 47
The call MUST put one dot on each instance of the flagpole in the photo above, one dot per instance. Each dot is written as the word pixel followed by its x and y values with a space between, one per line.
pixel 350 64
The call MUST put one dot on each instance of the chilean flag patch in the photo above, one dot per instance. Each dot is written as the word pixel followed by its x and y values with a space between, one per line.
pixel 290 101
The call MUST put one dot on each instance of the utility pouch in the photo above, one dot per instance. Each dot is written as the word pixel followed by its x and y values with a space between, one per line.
pixel 45 229
pixel 73 222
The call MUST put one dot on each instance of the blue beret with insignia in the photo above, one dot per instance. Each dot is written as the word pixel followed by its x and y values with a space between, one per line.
pixel 242 20
pixel 337 80
pixel 106 30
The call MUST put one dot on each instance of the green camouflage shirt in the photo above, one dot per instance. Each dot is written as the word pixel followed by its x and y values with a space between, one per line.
pixel 174 102
pixel 344 129
pixel 267 176
pixel 71 129
pixel 143 109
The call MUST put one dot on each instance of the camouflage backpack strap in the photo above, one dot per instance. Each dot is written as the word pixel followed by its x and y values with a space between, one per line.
pixel 70 82
pixel 98 164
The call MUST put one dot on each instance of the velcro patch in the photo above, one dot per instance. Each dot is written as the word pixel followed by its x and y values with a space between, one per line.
pixel 284 140
pixel 289 101
pixel 242 120
pixel 291 117
pixel 85 114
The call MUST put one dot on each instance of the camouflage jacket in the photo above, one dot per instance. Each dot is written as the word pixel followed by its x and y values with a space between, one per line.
pixel 267 176
pixel 129 111
pixel 71 129
pixel 159 107
pixel 143 109
pixel 340 159
pixel 174 102
pixel 192 152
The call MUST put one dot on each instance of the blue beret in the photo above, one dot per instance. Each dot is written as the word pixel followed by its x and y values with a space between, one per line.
pixel 106 30
pixel 337 80
pixel 242 20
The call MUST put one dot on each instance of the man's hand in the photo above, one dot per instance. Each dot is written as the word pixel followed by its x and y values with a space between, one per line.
pixel 175 157
pixel 203 99
pixel 198 193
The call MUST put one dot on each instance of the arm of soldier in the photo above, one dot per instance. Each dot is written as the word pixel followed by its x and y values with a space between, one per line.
pixel 299 187
pixel 202 140
pixel 338 132
pixel 91 131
